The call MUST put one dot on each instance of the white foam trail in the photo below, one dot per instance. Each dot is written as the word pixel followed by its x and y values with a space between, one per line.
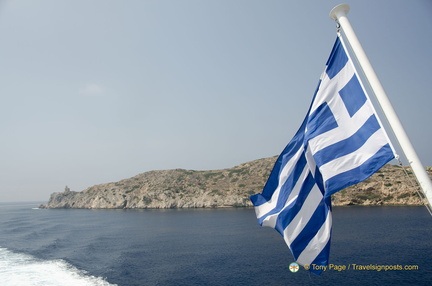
pixel 17 269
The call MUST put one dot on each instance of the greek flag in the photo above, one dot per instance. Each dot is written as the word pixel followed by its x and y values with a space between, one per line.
pixel 341 142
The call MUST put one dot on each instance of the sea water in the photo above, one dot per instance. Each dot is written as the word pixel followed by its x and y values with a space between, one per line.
pixel 205 247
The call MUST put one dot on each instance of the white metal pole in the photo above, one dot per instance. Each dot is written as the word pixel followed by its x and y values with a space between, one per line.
pixel 339 14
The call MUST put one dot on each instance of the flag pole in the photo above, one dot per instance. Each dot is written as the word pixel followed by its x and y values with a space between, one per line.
pixel 338 14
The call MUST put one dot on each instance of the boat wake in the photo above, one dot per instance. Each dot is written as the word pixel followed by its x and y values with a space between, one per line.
pixel 22 269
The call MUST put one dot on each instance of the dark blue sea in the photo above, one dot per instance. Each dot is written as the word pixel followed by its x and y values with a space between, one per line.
pixel 205 247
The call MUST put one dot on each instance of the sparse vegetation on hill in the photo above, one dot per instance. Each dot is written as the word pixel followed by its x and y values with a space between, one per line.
pixel 231 187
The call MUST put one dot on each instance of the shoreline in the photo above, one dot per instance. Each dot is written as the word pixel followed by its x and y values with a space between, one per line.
pixel 223 207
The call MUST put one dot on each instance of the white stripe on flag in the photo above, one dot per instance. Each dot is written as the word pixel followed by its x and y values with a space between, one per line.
pixel 317 244
pixel 347 125
pixel 355 159
pixel 271 204
pixel 303 216
pixel 271 219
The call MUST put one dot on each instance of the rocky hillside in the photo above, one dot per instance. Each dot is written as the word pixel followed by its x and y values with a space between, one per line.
pixel 224 188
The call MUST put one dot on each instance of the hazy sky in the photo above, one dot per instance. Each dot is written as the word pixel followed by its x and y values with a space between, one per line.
pixel 95 91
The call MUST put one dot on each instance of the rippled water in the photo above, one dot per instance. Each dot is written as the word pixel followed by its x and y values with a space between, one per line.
pixel 202 247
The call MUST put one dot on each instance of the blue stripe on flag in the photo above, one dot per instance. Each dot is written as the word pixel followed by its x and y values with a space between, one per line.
pixel 320 121
pixel 288 214
pixel 353 103
pixel 348 145
pixel 287 187
pixel 309 231
pixel 337 60
pixel 322 258
pixel 319 180
pixel 286 155
pixel 361 173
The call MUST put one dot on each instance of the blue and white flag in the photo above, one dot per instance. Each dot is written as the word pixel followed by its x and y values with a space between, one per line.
pixel 340 143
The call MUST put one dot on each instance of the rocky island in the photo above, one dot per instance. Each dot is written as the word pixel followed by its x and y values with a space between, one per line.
pixel 231 187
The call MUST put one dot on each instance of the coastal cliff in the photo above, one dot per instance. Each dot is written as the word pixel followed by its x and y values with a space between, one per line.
pixel 231 187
